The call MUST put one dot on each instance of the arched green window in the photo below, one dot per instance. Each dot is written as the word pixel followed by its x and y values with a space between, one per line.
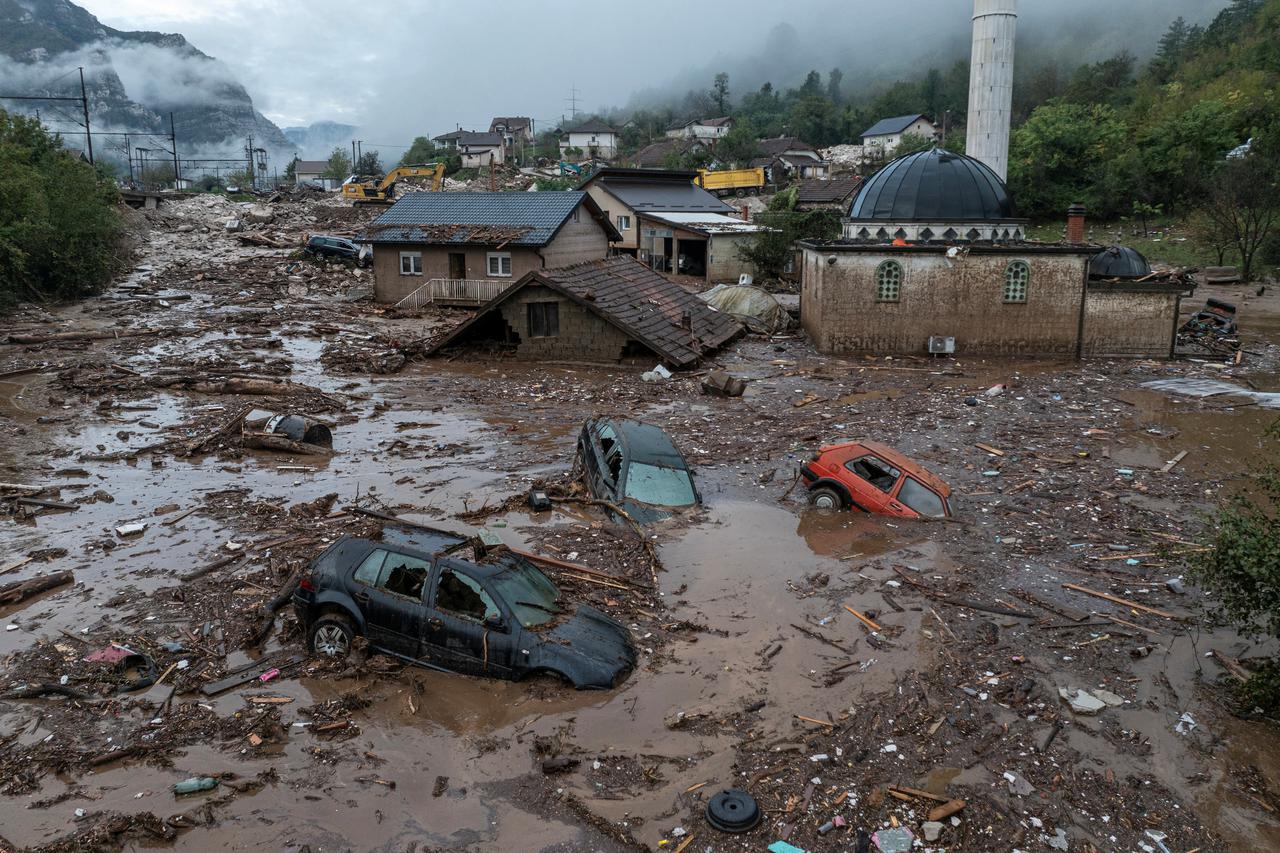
pixel 1016 278
pixel 888 281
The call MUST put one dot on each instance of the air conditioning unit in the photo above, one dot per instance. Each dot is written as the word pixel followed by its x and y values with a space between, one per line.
pixel 939 345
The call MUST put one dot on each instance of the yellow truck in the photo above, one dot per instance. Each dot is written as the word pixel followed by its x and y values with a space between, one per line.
pixel 737 182
pixel 384 191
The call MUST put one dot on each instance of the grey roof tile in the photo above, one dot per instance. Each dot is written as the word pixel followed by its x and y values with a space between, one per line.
pixel 514 218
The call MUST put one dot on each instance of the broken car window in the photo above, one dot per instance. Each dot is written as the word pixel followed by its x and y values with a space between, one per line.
pixel 922 499
pixel 464 596
pixel 370 571
pixel 404 575
pixel 878 473
pixel 653 484
pixel 530 594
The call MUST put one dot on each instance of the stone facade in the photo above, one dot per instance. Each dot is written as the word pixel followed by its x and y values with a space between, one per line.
pixel 582 334
pixel 580 239
pixel 961 297
pixel 1130 320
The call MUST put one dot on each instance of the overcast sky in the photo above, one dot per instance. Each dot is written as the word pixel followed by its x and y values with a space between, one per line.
pixel 401 69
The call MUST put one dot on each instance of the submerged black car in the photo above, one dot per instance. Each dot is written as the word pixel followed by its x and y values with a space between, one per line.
pixel 636 466
pixel 502 618
pixel 321 246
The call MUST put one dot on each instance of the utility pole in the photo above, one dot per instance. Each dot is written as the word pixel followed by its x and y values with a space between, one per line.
pixel 248 153
pixel 84 102
pixel 128 154
pixel 173 144
pixel 353 155
pixel 573 102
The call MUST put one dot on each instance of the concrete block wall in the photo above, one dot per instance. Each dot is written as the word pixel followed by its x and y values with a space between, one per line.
pixel 583 335
pixel 1129 323
pixel 962 298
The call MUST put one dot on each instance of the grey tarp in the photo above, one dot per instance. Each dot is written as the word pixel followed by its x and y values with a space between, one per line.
pixel 753 306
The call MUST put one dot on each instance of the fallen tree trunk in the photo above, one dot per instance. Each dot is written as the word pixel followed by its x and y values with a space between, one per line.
pixel 32 691
pixel 220 433
pixel 12 593
pixel 271 441
pixel 56 337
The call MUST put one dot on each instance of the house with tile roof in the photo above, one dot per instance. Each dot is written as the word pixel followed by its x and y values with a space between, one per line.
pixel 605 311
pixel 463 248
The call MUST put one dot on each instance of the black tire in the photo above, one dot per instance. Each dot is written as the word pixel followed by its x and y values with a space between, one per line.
pixel 825 497
pixel 331 635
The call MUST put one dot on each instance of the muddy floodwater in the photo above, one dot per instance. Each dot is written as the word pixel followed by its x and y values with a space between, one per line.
pixel 758 668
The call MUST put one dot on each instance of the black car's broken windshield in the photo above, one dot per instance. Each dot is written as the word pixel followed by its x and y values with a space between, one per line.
pixel 531 596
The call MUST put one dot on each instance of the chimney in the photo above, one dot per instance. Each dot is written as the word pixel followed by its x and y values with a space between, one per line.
pixel 991 83
pixel 1075 223
pixel 746 213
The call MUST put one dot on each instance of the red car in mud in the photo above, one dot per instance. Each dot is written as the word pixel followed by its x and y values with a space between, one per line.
pixel 875 478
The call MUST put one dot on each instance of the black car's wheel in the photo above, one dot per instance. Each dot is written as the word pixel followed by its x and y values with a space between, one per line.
pixel 825 497
pixel 332 635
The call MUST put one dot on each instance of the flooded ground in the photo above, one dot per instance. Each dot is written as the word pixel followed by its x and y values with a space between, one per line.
pixel 754 672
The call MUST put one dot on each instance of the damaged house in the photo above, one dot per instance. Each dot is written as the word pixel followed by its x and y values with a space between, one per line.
pixel 604 311
pixel 464 248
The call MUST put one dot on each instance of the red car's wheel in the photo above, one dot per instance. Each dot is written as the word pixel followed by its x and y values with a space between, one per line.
pixel 825 497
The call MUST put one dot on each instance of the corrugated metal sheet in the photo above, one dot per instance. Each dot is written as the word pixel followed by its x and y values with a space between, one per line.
pixel 514 218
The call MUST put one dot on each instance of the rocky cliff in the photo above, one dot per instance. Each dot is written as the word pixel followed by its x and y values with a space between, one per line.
pixel 135 79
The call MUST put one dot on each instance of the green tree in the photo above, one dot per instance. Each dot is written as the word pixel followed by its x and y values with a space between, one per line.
pixel 60 235
pixel 368 164
pixel 339 166
pixel 1242 200
pixel 834 78
pixel 720 93
pixel 1241 569
pixel 910 143
pixel 423 150
pixel 1060 156
pixel 740 145
pixel 291 170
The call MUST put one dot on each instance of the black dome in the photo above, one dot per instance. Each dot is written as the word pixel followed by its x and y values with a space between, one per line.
pixel 934 186
pixel 1119 262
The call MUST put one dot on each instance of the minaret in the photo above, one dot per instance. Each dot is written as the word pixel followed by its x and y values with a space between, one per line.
pixel 991 83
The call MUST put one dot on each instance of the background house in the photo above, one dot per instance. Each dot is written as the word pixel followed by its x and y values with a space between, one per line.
pixel 787 157
pixel 469 246
pixel 835 194
pixel 888 132
pixel 516 133
pixel 312 172
pixel 697 245
pixel 623 194
pixel 701 128
pixel 657 154
pixel 481 149
pixel 450 139
pixel 594 139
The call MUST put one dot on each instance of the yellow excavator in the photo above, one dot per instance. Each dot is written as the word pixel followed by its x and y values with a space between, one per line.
pixel 384 191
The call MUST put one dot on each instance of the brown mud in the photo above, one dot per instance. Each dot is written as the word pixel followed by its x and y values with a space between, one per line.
pixel 752 674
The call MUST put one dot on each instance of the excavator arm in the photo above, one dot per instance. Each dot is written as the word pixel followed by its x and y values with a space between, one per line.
pixel 367 192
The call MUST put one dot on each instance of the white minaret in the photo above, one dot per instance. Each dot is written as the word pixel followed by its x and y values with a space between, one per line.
pixel 991 83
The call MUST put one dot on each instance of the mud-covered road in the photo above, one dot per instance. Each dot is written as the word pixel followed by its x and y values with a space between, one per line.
pixel 753 673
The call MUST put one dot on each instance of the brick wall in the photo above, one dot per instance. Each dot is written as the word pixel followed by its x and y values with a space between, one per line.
pixel 583 335
pixel 577 242
pixel 1128 323
pixel 963 298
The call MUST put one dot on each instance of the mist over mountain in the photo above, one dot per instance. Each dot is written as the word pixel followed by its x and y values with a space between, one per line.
pixel 134 81
pixel 318 139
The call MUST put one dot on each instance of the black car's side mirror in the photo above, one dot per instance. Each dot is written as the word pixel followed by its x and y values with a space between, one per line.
pixel 494 622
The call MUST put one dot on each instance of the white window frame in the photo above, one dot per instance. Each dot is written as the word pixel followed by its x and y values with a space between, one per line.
pixel 624 222
pixel 499 257
pixel 411 256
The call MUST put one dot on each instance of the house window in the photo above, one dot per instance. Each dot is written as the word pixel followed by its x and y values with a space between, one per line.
pixel 888 281
pixel 544 319
pixel 624 223
pixel 410 263
pixel 499 264
pixel 1016 277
